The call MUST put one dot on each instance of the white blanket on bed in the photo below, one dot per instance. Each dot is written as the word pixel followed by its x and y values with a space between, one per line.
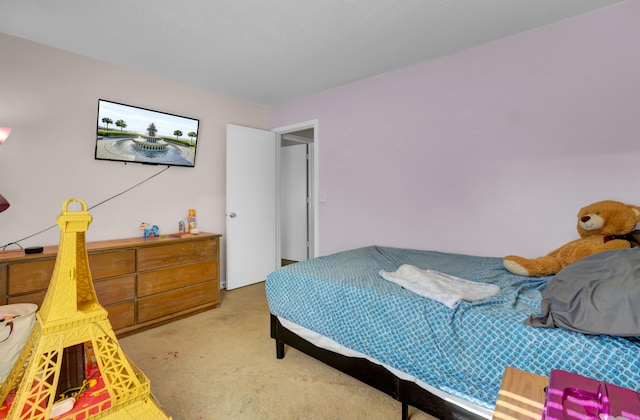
pixel 444 288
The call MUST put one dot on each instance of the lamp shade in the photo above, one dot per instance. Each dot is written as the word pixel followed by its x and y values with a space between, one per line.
pixel 4 133
pixel 4 204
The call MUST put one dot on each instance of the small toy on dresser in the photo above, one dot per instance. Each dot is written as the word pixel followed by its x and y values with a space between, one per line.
pixel 602 226
pixel 149 230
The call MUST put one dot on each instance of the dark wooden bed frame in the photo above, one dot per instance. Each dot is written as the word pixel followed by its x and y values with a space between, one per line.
pixel 407 392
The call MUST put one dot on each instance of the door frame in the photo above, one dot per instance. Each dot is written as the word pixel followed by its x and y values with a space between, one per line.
pixel 313 196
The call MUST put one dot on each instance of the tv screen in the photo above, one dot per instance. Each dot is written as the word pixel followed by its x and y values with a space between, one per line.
pixel 127 133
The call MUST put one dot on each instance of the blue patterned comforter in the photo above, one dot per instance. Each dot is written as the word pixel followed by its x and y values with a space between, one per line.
pixel 461 351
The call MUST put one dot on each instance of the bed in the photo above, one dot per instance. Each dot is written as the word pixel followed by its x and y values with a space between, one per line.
pixel 446 362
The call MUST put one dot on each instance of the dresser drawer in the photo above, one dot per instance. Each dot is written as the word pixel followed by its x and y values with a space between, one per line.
pixel 30 276
pixel 151 282
pixel 108 291
pixel 111 291
pixel 121 314
pixel 168 303
pixel 155 257
pixel 34 297
pixel 112 264
pixel 36 275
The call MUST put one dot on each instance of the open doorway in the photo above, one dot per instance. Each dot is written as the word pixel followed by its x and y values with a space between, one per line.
pixel 296 185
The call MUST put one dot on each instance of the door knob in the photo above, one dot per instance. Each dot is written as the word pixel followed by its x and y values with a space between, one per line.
pixel 232 214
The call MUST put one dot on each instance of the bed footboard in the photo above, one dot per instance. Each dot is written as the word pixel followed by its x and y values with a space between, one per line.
pixel 407 393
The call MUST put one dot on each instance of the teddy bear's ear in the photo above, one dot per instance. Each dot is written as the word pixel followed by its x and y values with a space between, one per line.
pixel 636 212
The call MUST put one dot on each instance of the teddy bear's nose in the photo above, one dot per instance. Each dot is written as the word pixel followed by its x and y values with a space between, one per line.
pixel 585 219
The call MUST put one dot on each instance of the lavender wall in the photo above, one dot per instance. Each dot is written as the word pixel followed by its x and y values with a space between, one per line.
pixel 490 151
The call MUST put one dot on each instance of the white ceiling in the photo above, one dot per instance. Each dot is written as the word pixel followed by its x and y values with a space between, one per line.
pixel 272 51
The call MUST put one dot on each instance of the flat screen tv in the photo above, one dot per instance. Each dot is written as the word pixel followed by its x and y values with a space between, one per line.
pixel 127 133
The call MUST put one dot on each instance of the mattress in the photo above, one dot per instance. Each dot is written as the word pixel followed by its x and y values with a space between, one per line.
pixel 461 351
pixel 328 344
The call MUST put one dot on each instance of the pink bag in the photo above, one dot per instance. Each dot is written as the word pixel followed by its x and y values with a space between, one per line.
pixel 571 396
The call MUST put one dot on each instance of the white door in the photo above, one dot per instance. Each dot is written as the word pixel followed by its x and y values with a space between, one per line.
pixel 294 201
pixel 251 205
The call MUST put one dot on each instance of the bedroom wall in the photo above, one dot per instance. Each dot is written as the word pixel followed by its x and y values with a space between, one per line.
pixel 490 151
pixel 49 97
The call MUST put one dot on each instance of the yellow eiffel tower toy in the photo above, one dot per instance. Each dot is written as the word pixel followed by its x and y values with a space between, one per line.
pixel 71 315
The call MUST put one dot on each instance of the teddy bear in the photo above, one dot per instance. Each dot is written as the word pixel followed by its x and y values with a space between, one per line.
pixel 602 226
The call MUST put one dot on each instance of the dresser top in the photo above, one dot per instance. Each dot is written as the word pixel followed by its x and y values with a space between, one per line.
pixel 49 251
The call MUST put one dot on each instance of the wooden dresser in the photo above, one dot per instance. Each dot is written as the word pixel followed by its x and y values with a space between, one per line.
pixel 140 282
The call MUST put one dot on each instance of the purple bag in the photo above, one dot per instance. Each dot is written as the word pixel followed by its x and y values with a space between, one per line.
pixel 571 396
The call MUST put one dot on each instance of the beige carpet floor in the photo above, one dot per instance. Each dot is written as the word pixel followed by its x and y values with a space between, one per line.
pixel 221 364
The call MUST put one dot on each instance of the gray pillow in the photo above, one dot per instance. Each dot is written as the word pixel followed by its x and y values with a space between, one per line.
pixel 599 294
